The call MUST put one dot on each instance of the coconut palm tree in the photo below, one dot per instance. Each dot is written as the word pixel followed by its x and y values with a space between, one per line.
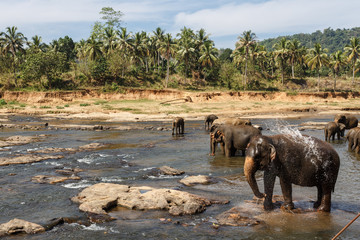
pixel 167 49
pixel 94 48
pixel 294 53
pixel 110 40
pixel 281 54
pixel 13 43
pixel 186 45
pixel 353 52
pixel 316 59
pixel 36 44
pixel 208 55
pixel 246 42
pixel 158 38
pixel 337 61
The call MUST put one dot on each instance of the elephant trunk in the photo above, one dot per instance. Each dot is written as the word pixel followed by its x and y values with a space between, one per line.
pixel 250 170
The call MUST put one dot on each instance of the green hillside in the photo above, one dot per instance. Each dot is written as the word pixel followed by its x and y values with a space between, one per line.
pixel 331 39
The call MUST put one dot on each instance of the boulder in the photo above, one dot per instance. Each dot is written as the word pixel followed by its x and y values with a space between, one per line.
pixel 52 179
pixel 90 146
pixel 19 140
pixel 166 170
pixel 200 179
pixel 101 197
pixel 23 159
pixel 16 226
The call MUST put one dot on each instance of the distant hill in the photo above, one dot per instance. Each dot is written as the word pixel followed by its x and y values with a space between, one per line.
pixel 331 39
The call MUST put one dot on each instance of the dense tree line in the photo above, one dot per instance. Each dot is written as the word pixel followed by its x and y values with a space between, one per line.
pixel 113 57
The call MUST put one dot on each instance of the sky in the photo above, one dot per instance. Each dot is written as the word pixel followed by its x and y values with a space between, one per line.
pixel 223 20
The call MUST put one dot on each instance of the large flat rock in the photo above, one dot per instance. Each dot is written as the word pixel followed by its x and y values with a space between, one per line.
pixel 16 226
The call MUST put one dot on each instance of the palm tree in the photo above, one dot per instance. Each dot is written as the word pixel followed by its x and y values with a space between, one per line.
pixel 13 42
pixel 337 61
pixel 294 53
pixel 246 42
pixel 158 36
pixel 167 49
pixel 186 47
pixel 281 54
pixel 317 58
pixel 353 51
pixel 94 48
pixel 208 55
pixel 36 44
pixel 110 40
pixel 125 46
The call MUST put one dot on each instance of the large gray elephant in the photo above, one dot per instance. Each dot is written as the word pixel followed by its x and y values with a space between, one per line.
pixel 232 138
pixel 178 125
pixel 332 128
pixel 353 137
pixel 304 161
pixel 349 120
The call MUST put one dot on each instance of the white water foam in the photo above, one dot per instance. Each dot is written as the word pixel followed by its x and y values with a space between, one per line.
pixel 81 184
pixel 111 179
pixel 310 147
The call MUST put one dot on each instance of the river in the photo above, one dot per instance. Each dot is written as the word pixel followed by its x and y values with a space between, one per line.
pixel 131 158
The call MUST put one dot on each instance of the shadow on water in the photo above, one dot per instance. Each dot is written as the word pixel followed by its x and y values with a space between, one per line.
pixel 132 157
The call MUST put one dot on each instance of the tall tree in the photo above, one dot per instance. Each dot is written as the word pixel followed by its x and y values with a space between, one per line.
pixel 353 52
pixel 208 55
pixel 246 42
pixel 294 53
pixel 159 36
pixel 110 40
pixel 337 61
pixel 167 49
pixel 281 54
pixel 94 48
pixel 186 47
pixel 316 59
pixel 13 42
pixel 112 17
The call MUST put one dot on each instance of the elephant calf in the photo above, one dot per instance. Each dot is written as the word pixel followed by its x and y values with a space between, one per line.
pixel 333 128
pixel 294 162
pixel 209 120
pixel 353 137
pixel 178 125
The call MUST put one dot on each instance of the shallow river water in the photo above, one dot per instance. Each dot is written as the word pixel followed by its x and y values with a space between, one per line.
pixel 131 159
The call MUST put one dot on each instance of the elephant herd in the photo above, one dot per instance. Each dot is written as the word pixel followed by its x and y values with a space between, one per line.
pixel 284 156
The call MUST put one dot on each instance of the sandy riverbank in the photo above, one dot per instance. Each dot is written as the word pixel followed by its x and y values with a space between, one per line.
pixel 154 105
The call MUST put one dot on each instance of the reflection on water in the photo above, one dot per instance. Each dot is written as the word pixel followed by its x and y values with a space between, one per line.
pixel 131 157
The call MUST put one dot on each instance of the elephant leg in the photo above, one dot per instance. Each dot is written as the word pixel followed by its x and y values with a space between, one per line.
pixel 333 136
pixel 338 135
pixel 319 197
pixel 325 205
pixel 213 144
pixel 269 181
pixel 233 151
pixel 326 134
pixel 286 189
pixel 222 146
pixel 243 152
pixel 227 150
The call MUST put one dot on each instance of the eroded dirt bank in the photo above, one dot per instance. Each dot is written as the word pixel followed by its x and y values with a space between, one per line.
pixel 165 104
pixel 166 95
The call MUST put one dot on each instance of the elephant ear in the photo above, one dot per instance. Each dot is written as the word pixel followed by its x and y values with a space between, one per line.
pixel 272 152
pixel 342 126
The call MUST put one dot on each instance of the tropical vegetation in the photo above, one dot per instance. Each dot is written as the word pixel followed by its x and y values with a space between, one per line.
pixel 113 57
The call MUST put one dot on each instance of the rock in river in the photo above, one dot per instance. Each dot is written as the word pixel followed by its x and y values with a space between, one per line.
pixel 200 179
pixel 16 226
pixel 102 196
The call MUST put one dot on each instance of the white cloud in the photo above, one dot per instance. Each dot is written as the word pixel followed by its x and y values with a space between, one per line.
pixel 273 16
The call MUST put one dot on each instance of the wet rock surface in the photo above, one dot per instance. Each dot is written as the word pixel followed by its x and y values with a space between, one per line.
pixel 237 217
pixel 101 197
pixel 53 179
pixel 30 158
pixel 20 140
pixel 200 179
pixel 166 170
pixel 17 226
pixel 91 146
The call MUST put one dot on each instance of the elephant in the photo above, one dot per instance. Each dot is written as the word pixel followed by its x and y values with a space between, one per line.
pixel 353 136
pixel 349 120
pixel 209 120
pixel 178 125
pixel 332 128
pixel 229 121
pixel 232 138
pixel 305 161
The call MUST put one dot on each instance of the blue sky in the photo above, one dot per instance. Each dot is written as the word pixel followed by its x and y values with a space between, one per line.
pixel 224 20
